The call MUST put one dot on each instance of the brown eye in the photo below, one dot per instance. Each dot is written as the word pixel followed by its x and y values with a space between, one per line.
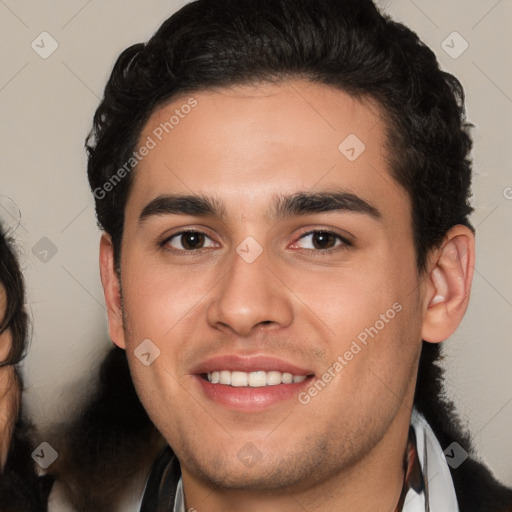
pixel 189 241
pixel 322 241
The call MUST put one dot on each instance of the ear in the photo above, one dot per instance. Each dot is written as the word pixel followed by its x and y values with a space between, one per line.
pixel 112 291
pixel 448 284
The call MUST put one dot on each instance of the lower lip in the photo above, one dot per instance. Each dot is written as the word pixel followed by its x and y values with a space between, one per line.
pixel 250 399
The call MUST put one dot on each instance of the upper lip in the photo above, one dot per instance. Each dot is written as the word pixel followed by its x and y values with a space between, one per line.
pixel 235 362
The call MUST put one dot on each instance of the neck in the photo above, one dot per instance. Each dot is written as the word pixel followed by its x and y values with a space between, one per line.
pixel 373 484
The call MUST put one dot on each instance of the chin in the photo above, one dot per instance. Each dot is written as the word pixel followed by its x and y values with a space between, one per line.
pixel 269 470
pixel 271 478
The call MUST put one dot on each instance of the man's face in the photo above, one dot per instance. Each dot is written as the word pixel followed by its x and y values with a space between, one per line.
pixel 265 288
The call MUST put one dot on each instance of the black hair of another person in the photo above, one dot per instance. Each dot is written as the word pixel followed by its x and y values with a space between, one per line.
pixel 21 489
pixel 14 317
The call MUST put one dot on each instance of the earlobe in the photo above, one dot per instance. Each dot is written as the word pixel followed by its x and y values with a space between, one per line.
pixel 448 284
pixel 111 291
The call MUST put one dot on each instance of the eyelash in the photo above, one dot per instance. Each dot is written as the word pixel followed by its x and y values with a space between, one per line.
pixel 343 246
pixel 345 243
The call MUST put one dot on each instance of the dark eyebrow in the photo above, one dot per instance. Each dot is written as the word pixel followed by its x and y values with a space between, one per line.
pixel 301 203
pixel 182 205
pixel 304 203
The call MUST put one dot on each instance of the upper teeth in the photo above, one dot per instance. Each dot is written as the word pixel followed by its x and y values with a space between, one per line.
pixel 253 379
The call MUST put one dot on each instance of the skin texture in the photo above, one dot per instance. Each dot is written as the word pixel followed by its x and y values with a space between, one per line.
pixel 243 147
pixel 9 391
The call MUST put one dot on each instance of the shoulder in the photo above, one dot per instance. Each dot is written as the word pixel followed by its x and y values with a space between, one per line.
pixel 474 486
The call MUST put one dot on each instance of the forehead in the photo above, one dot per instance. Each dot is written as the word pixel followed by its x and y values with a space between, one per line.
pixel 246 143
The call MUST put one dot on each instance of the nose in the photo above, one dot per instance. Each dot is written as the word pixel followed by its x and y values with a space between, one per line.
pixel 250 297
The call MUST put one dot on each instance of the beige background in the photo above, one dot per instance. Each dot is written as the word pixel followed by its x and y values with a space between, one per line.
pixel 46 110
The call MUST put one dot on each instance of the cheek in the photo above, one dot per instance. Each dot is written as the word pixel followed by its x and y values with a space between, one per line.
pixel 349 299
pixel 155 300
pixel 5 345
pixel 374 318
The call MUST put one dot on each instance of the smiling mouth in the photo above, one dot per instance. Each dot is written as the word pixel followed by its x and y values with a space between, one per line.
pixel 256 379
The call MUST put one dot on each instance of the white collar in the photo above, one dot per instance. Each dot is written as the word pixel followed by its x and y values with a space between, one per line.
pixel 179 501
pixel 439 495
